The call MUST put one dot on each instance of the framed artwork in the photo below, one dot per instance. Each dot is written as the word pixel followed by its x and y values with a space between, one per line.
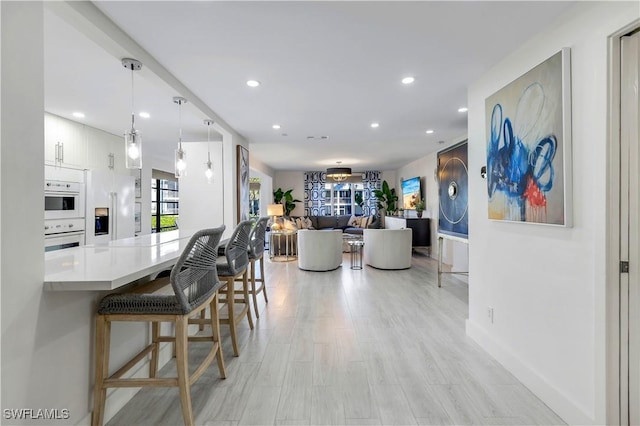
pixel 528 131
pixel 453 191
pixel 138 183
pixel 243 183
pixel 411 193
pixel 138 217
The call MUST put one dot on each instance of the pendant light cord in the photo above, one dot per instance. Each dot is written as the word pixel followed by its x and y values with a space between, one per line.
pixel 180 123
pixel 209 141
pixel 133 113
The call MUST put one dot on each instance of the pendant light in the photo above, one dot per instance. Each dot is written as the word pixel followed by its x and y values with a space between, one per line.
pixel 209 171
pixel 181 161
pixel 339 173
pixel 132 138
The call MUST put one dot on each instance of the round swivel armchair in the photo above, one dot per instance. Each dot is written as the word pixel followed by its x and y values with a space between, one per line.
pixel 319 250
pixel 387 248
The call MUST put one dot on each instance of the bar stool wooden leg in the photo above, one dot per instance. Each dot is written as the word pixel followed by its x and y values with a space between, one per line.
pixel 182 364
pixel 253 288
pixel 232 318
pixel 245 290
pixel 155 333
pixel 264 281
pixel 203 316
pixel 103 332
pixel 215 331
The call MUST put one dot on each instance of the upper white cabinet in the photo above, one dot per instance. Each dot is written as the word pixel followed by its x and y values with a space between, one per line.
pixel 71 144
pixel 105 151
pixel 64 142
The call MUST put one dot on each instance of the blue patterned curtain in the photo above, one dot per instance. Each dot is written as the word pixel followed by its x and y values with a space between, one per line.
pixel 370 180
pixel 314 193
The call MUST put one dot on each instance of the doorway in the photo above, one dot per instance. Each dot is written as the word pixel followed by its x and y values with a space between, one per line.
pixel 623 301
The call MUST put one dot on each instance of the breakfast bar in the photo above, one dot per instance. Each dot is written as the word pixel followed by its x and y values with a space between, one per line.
pixel 111 265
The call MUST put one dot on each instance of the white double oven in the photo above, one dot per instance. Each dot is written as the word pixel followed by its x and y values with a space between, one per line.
pixel 64 208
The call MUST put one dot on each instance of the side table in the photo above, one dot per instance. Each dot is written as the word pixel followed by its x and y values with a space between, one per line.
pixel 275 247
pixel 356 253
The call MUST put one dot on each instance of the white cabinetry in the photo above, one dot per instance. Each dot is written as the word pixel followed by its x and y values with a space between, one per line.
pixel 105 151
pixel 64 142
pixel 71 144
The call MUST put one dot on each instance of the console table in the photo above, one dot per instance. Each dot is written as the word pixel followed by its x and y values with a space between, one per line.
pixel 441 238
pixel 420 227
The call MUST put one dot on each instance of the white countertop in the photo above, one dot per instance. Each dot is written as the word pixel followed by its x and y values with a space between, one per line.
pixel 111 265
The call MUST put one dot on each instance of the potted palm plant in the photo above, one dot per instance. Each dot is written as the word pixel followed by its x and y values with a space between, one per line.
pixel 285 198
pixel 419 208
pixel 386 198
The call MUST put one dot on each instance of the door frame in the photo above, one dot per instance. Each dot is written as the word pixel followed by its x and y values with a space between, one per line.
pixel 613 328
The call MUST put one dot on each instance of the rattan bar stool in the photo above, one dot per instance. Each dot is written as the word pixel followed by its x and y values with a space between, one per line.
pixel 256 254
pixel 233 266
pixel 194 283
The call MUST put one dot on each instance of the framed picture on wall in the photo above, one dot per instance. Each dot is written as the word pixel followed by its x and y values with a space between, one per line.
pixel 528 133
pixel 242 183
pixel 453 191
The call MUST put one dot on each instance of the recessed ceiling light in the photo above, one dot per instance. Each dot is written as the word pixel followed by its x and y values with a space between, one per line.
pixel 441 142
pixel 275 126
pixel 253 83
pixel 463 109
pixel 375 125
pixel 429 131
pixel 78 115
pixel 144 114
pixel 408 80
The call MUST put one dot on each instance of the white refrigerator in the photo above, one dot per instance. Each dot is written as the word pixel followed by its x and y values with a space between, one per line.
pixel 110 204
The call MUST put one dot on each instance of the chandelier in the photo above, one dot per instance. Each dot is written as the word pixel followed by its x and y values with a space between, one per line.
pixel 339 174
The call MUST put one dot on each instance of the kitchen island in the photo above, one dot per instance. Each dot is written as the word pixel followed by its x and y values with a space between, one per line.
pixel 108 266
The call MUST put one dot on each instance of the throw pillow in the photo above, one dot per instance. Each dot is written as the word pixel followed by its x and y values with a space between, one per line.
pixel 352 221
pixel 308 223
pixel 289 225
pixel 300 223
pixel 366 220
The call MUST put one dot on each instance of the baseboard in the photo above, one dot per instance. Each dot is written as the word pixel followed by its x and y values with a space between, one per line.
pixel 560 403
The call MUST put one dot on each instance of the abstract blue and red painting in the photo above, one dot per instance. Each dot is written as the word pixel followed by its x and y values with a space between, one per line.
pixel 528 146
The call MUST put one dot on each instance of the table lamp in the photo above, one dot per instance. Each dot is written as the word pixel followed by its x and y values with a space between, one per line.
pixel 275 210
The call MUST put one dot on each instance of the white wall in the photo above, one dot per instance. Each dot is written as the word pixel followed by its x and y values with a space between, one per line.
pixel 202 203
pixel 291 180
pixel 547 284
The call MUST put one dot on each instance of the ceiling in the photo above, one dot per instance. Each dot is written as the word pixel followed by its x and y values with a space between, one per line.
pixel 326 69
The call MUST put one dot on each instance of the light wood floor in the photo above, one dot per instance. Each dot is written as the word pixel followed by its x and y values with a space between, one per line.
pixel 352 347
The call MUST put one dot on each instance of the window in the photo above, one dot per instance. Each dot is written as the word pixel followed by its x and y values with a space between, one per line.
pixel 164 205
pixel 340 198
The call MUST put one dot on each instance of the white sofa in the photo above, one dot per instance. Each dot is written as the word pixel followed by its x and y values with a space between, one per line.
pixel 319 250
pixel 387 248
